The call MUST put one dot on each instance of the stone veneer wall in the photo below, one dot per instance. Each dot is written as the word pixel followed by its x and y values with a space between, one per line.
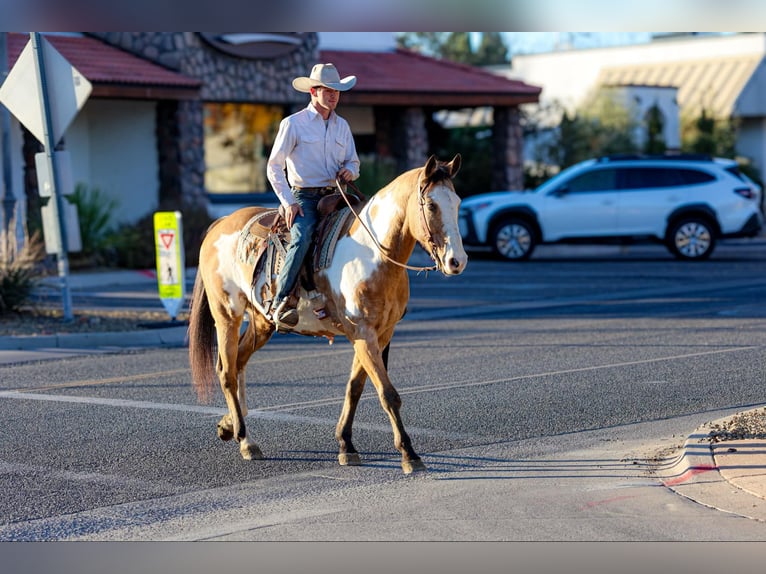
pixel 508 163
pixel 224 78
pixel 415 137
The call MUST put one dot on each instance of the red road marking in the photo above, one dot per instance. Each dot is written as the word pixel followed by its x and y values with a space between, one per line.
pixel 689 474
pixel 607 501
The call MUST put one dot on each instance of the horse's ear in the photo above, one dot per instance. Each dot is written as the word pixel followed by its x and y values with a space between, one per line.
pixel 454 165
pixel 430 166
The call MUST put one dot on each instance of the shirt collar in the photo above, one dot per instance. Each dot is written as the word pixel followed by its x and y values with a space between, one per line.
pixel 315 114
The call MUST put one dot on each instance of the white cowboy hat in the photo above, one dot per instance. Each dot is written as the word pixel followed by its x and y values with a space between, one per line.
pixel 324 75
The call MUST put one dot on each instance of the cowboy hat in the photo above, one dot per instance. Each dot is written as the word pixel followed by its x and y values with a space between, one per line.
pixel 324 75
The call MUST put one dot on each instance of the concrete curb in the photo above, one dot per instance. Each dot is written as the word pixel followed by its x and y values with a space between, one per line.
pixel 695 474
pixel 169 337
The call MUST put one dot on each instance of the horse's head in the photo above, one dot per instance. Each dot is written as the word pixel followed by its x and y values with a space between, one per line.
pixel 438 215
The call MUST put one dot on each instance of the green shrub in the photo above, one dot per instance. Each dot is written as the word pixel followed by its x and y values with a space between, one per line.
pixel 374 174
pixel 19 272
pixel 132 245
pixel 95 211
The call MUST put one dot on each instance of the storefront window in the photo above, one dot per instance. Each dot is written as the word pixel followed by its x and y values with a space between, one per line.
pixel 238 140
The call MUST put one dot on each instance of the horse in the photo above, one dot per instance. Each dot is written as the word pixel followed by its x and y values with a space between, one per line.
pixel 365 290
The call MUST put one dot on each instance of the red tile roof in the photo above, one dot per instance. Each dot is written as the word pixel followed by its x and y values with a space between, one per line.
pixel 403 77
pixel 113 72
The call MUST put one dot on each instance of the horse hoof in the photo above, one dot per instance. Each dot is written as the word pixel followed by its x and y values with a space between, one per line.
pixel 225 434
pixel 410 466
pixel 349 459
pixel 250 451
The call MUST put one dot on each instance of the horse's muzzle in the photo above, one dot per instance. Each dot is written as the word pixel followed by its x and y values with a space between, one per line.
pixel 452 263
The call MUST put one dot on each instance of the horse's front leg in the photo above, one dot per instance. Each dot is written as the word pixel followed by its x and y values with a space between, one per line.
pixel 347 454
pixel 368 353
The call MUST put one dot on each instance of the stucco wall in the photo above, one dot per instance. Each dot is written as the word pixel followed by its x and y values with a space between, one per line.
pixel 113 147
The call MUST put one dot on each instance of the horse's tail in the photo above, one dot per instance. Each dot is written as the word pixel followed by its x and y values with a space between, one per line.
pixel 202 341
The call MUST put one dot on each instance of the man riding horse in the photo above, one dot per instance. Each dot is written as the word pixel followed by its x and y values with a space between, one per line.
pixel 313 148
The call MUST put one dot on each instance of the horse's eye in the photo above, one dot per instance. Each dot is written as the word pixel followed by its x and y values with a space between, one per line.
pixel 431 206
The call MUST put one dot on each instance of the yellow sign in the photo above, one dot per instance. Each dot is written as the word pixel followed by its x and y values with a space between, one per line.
pixel 169 248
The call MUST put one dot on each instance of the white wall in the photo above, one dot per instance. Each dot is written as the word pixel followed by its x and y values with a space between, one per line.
pixel 567 76
pixel 752 142
pixel 113 146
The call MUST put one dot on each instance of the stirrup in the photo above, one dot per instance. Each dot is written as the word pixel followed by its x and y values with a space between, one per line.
pixel 285 317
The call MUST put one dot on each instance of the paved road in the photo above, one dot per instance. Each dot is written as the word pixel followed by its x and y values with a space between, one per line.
pixel 537 394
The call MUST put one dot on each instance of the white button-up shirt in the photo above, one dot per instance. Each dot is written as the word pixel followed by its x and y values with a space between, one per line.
pixel 312 152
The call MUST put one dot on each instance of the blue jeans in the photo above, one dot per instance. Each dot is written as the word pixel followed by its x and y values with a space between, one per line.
pixel 301 234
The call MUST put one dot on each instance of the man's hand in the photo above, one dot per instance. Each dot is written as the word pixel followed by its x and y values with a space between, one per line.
pixel 291 212
pixel 344 175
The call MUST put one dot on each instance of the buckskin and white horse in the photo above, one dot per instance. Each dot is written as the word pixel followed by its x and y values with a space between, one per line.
pixel 365 290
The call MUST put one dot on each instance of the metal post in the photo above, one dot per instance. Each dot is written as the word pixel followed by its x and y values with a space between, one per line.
pixel 57 200
pixel 9 223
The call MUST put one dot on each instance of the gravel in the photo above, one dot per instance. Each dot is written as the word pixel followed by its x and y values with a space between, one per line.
pixel 746 425
pixel 39 321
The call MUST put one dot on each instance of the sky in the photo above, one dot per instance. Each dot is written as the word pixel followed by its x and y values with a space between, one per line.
pixel 518 42
pixel 534 42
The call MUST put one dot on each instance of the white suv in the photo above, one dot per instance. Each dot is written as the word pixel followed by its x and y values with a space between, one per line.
pixel 687 202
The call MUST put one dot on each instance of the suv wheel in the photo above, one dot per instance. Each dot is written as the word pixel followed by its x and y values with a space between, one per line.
pixel 691 238
pixel 513 239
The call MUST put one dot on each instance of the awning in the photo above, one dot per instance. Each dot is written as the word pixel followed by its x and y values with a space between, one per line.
pixel 714 84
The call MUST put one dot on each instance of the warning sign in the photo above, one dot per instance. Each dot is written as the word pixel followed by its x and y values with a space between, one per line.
pixel 170 260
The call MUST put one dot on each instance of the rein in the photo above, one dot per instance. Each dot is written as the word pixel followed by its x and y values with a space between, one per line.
pixel 374 239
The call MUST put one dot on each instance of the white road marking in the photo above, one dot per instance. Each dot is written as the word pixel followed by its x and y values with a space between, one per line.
pixel 219 411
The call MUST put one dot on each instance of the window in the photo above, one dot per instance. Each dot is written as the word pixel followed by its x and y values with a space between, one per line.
pixel 654 177
pixel 238 140
pixel 595 180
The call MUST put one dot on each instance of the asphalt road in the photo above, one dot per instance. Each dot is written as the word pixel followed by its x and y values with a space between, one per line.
pixel 536 393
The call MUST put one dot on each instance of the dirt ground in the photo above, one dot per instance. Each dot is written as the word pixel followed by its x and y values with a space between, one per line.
pixel 43 321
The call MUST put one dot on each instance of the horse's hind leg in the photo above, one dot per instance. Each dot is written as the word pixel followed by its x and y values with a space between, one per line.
pixel 257 334
pixel 347 454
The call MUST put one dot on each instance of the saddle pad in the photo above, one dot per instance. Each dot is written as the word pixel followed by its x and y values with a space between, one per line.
pixel 255 232
pixel 335 225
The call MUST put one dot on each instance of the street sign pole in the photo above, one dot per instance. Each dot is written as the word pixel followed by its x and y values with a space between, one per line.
pixel 56 198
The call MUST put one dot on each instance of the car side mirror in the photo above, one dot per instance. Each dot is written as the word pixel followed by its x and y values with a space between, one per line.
pixel 560 191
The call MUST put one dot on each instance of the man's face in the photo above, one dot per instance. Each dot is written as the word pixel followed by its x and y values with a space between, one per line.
pixel 325 97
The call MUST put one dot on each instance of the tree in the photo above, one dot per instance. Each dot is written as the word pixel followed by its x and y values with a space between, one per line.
pixel 492 51
pixel 457 47
pixel 655 143
pixel 427 43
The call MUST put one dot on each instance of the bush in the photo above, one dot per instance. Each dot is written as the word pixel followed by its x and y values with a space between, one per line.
pixel 132 245
pixel 94 210
pixel 19 273
pixel 375 173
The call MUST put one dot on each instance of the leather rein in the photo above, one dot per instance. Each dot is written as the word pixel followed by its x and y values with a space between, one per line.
pixel 381 249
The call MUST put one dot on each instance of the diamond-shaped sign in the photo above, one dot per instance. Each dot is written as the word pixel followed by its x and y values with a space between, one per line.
pixel 67 91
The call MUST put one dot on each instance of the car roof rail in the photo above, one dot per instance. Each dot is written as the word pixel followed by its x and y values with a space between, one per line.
pixel 654 157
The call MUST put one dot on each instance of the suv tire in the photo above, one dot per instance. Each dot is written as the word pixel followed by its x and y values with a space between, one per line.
pixel 513 239
pixel 691 238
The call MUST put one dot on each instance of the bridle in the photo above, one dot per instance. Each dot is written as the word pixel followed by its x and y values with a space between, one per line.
pixel 381 250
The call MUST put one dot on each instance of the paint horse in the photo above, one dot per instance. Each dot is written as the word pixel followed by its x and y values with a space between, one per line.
pixel 365 290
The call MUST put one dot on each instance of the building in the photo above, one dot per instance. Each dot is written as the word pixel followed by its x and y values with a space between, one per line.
pixel 181 118
pixel 724 74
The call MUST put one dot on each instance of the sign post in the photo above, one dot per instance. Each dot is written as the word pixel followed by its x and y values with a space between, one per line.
pixel 45 93
pixel 169 248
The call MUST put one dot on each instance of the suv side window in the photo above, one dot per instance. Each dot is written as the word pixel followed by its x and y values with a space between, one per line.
pixel 594 180
pixel 654 177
